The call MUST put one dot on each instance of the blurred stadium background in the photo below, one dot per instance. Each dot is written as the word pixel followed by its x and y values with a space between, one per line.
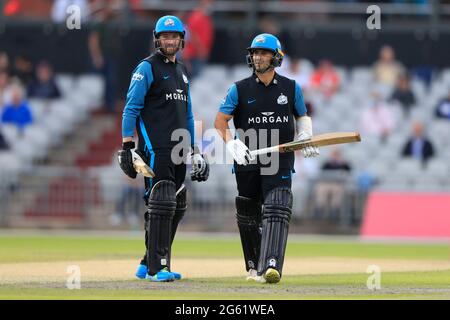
pixel 62 93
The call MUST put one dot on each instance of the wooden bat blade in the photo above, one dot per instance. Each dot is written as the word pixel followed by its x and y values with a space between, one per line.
pixel 321 140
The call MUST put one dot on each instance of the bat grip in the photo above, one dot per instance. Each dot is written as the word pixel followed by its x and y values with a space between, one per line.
pixel 264 151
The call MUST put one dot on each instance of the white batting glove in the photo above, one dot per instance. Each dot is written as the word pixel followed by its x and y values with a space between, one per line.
pixel 241 154
pixel 310 151
pixel 303 136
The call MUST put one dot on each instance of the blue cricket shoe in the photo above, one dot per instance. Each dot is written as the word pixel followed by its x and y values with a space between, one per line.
pixel 164 275
pixel 141 272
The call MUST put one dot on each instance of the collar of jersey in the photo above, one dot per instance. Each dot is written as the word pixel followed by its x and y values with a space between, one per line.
pixel 164 58
pixel 275 79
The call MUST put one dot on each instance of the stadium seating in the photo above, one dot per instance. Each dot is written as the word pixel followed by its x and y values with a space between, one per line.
pixel 383 160
pixel 53 120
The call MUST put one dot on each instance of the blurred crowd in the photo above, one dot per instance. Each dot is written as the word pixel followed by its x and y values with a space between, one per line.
pixel 21 80
pixel 391 83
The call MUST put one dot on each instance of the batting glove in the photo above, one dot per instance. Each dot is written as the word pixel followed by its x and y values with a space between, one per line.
pixel 241 154
pixel 200 166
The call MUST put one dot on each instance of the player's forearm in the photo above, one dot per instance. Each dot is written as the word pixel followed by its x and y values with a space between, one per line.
pixel 221 125
pixel 304 124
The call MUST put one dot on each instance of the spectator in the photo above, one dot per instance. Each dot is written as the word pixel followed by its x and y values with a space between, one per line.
pixel 297 69
pixel 23 69
pixel 300 70
pixel 325 79
pixel 443 108
pixel 4 62
pixel 377 119
pixel 418 146
pixel 4 85
pixel 199 38
pixel 404 95
pixel 104 49
pixel 129 204
pixel 18 111
pixel 12 8
pixel 336 162
pixel 329 191
pixel 387 70
pixel 44 85
pixel 306 168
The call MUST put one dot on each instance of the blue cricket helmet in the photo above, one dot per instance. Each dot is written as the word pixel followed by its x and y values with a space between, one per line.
pixel 168 24
pixel 266 41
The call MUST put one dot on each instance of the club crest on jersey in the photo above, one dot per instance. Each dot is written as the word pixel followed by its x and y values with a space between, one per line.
pixel 282 99
pixel 185 79
pixel 169 22
pixel 178 95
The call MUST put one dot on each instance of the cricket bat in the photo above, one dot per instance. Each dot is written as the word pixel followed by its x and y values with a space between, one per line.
pixel 320 140
pixel 140 166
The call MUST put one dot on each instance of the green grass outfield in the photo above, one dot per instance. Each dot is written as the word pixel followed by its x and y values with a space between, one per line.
pixel 22 249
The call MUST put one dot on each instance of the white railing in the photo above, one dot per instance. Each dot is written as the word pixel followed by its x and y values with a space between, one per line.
pixel 103 198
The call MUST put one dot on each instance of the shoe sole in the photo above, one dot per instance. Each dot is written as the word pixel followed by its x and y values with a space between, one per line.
pixel 272 276
pixel 165 280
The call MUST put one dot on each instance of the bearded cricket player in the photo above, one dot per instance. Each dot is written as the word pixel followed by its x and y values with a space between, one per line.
pixel 158 103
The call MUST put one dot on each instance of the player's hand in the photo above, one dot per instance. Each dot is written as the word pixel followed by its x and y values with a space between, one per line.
pixel 303 136
pixel 310 151
pixel 200 166
pixel 241 154
pixel 126 159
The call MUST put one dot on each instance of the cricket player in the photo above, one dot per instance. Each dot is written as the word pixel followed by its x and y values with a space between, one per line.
pixel 270 102
pixel 158 102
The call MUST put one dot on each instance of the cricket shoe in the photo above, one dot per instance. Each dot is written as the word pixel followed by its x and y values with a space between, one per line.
pixel 176 275
pixel 272 276
pixel 253 276
pixel 141 271
pixel 164 275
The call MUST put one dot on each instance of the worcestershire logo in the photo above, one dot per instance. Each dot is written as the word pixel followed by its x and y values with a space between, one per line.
pixel 282 99
pixel 169 22
pixel 176 96
pixel 137 76
pixel 272 263
pixel 268 117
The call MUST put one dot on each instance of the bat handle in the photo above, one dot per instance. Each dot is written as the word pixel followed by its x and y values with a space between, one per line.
pixel 264 151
